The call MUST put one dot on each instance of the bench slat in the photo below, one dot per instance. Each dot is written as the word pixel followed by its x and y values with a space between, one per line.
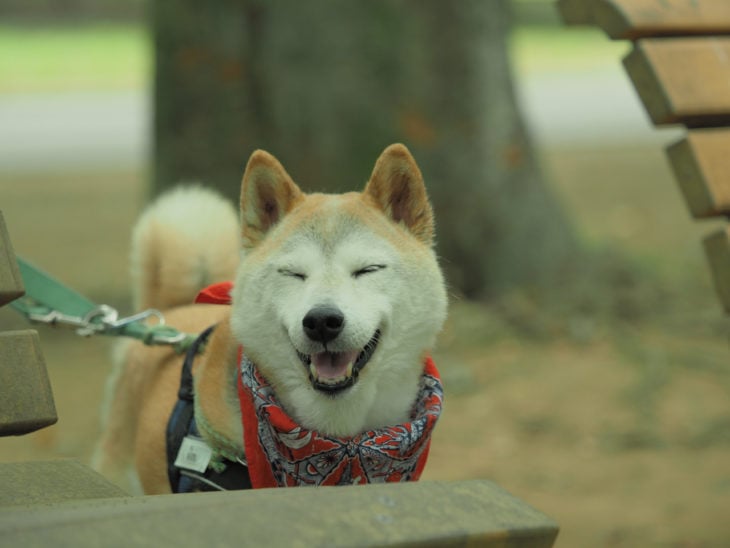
pixel 683 80
pixel 466 513
pixel 576 12
pixel 634 19
pixel 701 164
pixel 26 399
pixel 11 283
pixel 51 482
pixel 717 250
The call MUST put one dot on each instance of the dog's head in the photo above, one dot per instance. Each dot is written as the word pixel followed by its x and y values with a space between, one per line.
pixel 339 297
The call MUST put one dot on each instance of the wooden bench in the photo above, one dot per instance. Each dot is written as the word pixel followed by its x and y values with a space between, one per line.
pixel 680 67
pixel 66 503
pixel 26 400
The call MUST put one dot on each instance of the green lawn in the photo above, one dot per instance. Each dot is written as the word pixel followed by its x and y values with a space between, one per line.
pixel 78 58
pixel 556 50
pixel 119 56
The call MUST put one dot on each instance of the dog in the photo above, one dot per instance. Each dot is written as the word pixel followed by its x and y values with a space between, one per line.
pixel 336 300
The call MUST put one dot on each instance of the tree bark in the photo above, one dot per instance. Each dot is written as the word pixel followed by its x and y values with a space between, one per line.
pixel 325 86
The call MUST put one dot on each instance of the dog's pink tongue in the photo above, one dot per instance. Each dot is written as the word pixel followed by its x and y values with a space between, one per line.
pixel 330 365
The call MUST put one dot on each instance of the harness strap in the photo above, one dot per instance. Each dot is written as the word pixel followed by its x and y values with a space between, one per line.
pixel 182 425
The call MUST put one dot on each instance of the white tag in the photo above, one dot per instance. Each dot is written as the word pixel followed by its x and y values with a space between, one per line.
pixel 194 454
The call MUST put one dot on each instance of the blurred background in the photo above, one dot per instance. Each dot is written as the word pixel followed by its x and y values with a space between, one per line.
pixel 585 359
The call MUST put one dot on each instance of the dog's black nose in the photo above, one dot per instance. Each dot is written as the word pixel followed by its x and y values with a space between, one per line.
pixel 323 323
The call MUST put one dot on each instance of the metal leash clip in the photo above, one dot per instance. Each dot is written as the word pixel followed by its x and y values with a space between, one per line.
pixel 170 336
pixel 97 320
pixel 56 318
pixel 101 319
pixel 105 318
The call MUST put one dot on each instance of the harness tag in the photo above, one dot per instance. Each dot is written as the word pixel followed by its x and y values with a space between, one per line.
pixel 194 454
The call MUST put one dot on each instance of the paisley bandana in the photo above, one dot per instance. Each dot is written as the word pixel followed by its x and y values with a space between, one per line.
pixel 281 453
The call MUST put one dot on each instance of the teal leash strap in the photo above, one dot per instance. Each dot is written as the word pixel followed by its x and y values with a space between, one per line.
pixel 44 294
pixel 48 301
pixel 159 334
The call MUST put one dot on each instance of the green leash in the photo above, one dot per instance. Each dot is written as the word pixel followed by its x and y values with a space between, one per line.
pixel 48 301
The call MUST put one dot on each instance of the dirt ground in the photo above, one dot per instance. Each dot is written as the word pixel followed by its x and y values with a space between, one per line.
pixel 618 430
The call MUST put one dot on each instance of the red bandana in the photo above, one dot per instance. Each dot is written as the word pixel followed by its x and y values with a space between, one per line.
pixel 280 453
pixel 219 293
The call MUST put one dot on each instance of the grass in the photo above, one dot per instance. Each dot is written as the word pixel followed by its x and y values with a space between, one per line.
pixel 555 50
pixel 50 58
pixel 59 59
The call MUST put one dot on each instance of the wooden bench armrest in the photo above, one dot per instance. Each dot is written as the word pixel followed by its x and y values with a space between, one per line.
pixel 683 80
pixel 717 249
pixel 634 19
pixel 701 164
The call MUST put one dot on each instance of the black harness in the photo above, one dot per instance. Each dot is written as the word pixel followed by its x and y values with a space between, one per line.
pixel 181 425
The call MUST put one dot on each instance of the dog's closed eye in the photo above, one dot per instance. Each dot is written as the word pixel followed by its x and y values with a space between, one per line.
pixel 292 273
pixel 367 270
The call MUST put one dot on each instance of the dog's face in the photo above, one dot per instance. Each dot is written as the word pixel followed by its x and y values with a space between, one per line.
pixel 338 297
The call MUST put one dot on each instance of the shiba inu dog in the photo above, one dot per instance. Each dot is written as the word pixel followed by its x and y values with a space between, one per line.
pixel 336 302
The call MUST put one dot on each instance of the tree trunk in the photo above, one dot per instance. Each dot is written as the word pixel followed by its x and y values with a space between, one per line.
pixel 325 86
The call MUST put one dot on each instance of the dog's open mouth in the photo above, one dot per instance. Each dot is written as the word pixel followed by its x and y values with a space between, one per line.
pixel 333 372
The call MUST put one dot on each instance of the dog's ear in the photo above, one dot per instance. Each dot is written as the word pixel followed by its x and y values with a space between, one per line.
pixel 396 186
pixel 267 194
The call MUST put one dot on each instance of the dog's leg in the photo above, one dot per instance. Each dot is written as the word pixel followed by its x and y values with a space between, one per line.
pixel 113 457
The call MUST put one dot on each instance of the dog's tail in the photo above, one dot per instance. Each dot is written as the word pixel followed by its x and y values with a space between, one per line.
pixel 187 239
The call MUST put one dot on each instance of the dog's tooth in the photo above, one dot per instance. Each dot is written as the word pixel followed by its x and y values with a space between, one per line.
pixel 312 370
pixel 349 370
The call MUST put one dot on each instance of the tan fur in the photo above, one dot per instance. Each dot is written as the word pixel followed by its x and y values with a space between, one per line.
pixel 267 194
pixel 164 270
pixel 141 399
pixel 403 201
pixel 144 387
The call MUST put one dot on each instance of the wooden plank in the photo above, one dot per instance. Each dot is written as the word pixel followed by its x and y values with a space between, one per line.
pixel 683 80
pixel 717 250
pixel 576 12
pixel 50 482
pixel 26 399
pixel 11 283
pixel 701 164
pixel 468 513
pixel 634 19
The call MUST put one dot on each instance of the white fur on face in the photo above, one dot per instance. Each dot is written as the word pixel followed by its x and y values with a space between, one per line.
pixel 331 280
pixel 318 264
